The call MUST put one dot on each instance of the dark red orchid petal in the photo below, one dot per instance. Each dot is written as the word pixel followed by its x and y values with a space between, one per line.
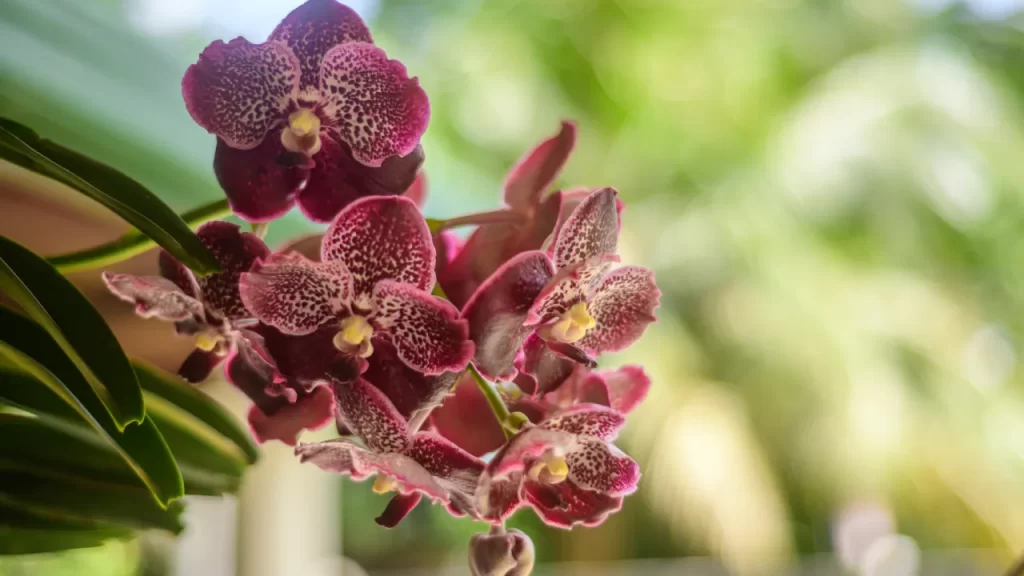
pixel 601 467
pixel 154 297
pixel 536 170
pixel 565 505
pixel 452 467
pixel 466 419
pixel 236 252
pixel 498 308
pixel 296 295
pixel 622 306
pixel 371 102
pixel 426 330
pixel 381 238
pixel 569 286
pixel 502 499
pixel 409 390
pixel 625 387
pixel 587 419
pixel 548 368
pixel 253 377
pixel 305 359
pixel 338 179
pixel 398 508
pixel 591 230
pixel 371 416
pixel 309 412
pixel 239 90
pixel 417 191
pixel 314 28
pixel 178 273
pixel 199 365
pixel 259 184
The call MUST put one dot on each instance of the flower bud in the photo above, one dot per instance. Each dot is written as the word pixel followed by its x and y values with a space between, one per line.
pixel 501 553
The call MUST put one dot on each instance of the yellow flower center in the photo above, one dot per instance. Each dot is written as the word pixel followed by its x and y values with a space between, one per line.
pixel 302 134
pixel 207 341
pixel 354 336
pixel 573 324
pixel 552 470
pixel 384 484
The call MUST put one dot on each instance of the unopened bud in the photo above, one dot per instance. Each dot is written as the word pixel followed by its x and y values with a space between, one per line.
pixel 501 553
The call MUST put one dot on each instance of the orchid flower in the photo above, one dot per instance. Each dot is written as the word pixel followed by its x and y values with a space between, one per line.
pixel 317 115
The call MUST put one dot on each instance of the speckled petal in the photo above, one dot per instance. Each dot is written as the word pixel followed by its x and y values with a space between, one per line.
pixel 454 468
pixel 371 102
pixel 296 295
pixel 314 28
pixel 498 309
pixel 304 359
pixel 622 305
pixel 397 509
pixel 239 90
pixel 178 273
pixel 369 414
pixel 536 171
pixel 591 230
pixel 337 180
pixel 381 238
pixel 569 286
pixel 587 419
pixel 260 183
pixel 408 389
pixel 153 296
pixel 309 412
pixel 236 252
pixel 601 467
pixel 426 330
pixel 565 505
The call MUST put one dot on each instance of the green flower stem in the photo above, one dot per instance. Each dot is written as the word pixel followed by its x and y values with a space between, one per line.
pixel 502 216
pixel 133 243
pixel 494 401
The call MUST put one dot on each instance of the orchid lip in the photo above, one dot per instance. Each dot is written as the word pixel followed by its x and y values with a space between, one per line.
pixel 207 340
pixel 550 470
pixel 572 325
pixel 355 336
pixel 302 133
pixel 384 484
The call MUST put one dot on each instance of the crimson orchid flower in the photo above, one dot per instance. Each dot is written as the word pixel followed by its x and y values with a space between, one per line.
pixel 317 115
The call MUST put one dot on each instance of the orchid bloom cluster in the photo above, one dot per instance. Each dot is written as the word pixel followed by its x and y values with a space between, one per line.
pixel 460 370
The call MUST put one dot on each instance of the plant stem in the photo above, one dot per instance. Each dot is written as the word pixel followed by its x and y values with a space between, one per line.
pixel 133 243
pixel 493 217
pixel 493 400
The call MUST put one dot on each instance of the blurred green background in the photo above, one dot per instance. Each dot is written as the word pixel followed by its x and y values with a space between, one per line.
pixel 831 193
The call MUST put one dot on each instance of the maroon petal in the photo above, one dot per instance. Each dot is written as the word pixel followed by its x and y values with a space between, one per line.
pixel 236 252
pixel 417 191
pixel 501 499
pixel 254 378
pixel 296 295
pixel 381 238
pixel 452 467
pixel 626 386
pixel 497 310
pixel 409 390
pixel 337 180
pixel 309 412
pixel 622 306
pixel 178 273
pixel 587 419
pixel 569 286
pixel 199 365
pixel 466 419
pixel 564 505
pixel 601 467
pixel 398 508
pixel 260 184
pixel 306 358
pixel 426 330
pixel 371 102
pixel 535 171
pixel 368 413
pixel 314 28
pixel 591 230
pixel 240 90
pixel 548 368
pixel 154 297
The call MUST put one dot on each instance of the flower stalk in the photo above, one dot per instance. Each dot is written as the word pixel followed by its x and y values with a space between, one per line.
pixel 490 392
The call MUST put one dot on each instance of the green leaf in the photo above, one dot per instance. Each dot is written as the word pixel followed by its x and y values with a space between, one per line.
pixel 192 441
pixel 25 532
pixel 75 325
pixel 122 195
pixel 195 402
pixel 141 446
pixel 77 498
pixel 133 243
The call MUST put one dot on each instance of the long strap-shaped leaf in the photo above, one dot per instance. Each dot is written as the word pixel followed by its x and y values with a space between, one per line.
pixel 192 400
pixel 30 348
pixel 122 195
pixel 25 532
pixel 75 325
